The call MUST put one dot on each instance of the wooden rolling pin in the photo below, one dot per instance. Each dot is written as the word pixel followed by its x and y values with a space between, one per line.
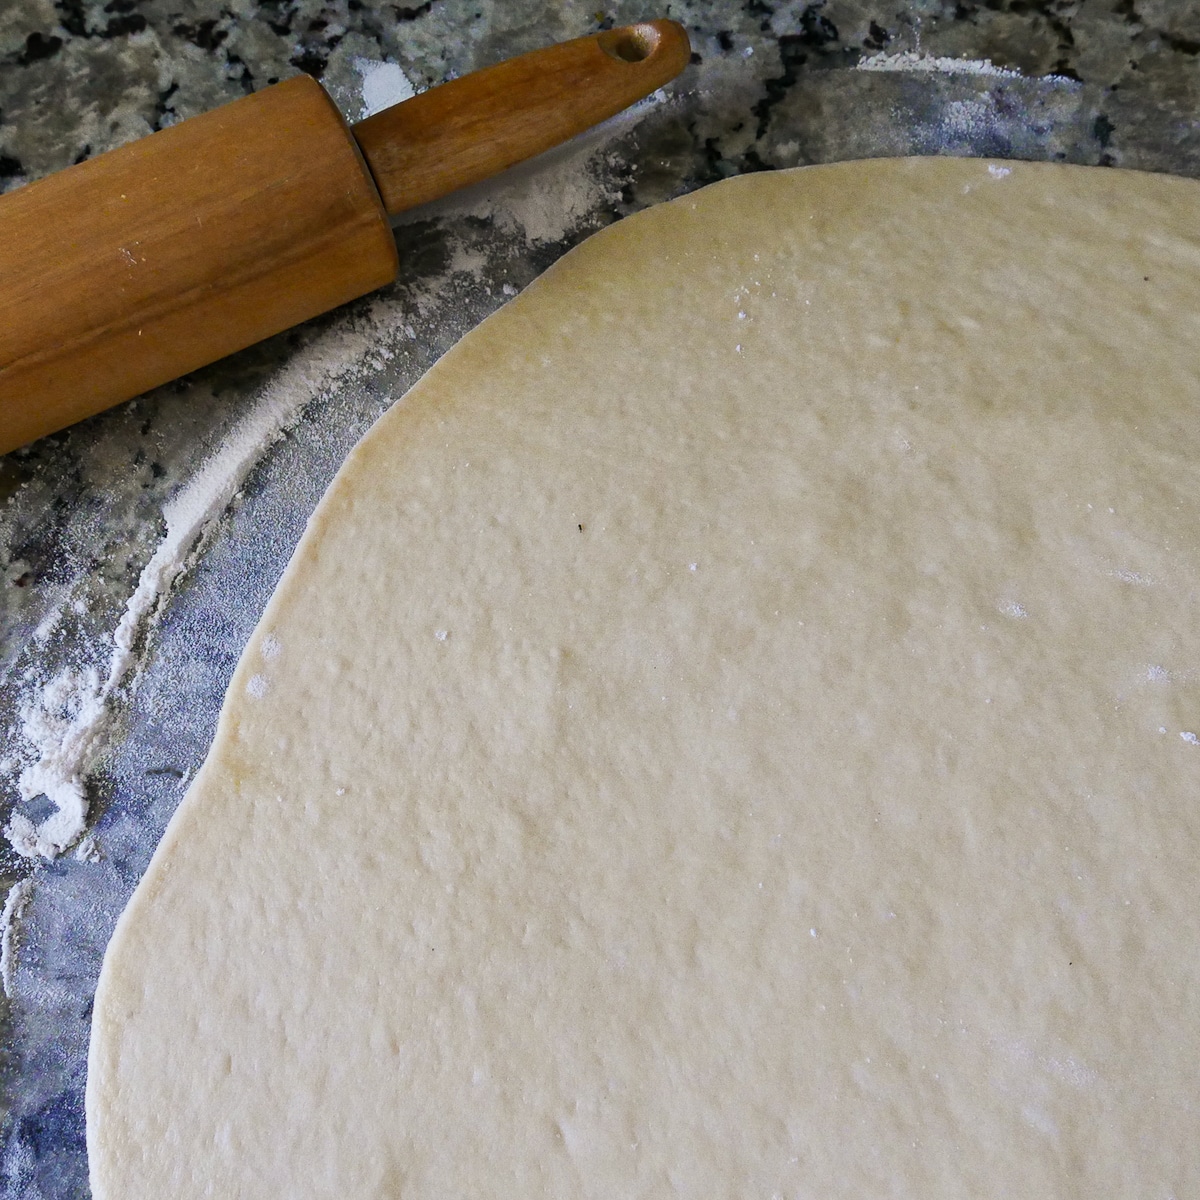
pixel 145 263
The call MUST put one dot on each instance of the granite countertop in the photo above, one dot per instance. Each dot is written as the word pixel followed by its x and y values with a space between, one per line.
pixel 117 520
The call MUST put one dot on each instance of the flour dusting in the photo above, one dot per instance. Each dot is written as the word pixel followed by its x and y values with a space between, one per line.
pixel 914 62
pixel 546 198
pixel 15 904
pixel 63 721
pixel 383 84
pixel 210 491
pixel 1134 577
pixel 62 724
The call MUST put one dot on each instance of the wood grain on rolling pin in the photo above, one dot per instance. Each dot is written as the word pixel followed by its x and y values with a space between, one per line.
pixel 133 268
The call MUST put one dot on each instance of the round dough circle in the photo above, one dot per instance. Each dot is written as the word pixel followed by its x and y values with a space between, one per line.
pixel 731 730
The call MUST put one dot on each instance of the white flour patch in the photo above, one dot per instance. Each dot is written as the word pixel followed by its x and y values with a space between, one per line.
pixel 915 63
pixel 911 61
pixel 61 723
pixel 48 624
pixel 464 261
pixel 86 849
pixel 15 904
pixel 965 117
pixel 383 84
pixel 1133 577
pixel 1065 1068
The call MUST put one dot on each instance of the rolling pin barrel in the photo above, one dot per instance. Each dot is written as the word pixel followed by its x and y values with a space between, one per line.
pixel 136 267
pixel 150 261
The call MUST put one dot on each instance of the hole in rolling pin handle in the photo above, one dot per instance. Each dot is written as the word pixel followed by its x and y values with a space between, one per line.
pixel 631 43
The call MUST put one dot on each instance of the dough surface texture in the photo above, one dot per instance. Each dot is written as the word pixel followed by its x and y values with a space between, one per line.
pixel 732 730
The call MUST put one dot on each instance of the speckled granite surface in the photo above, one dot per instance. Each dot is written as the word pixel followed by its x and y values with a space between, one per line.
pixel 773 84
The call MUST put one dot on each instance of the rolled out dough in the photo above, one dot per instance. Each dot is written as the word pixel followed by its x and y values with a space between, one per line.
pixel 733 730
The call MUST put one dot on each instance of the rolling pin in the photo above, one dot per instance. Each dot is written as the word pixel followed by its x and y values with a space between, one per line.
pixel 135 267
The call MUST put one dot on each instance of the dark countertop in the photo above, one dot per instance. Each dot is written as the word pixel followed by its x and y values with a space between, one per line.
pixel 773 84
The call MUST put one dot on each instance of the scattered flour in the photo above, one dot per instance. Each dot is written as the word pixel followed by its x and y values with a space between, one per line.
pixel 914 62
pixel 15 904
pixel 962 118
pixel 189 512
pixel 63 721
pixel 49 623
pixel 1134 577
pixel 383 84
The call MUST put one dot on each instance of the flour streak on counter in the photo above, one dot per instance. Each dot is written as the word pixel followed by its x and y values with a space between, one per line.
pixel 914 62
pixel 15 904
pixel 63 722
